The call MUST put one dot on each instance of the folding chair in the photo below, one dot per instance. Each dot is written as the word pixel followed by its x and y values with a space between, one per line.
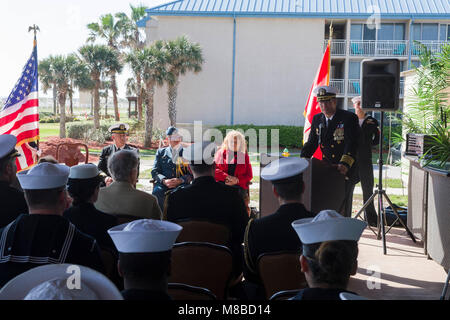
pixel 280 271
pixel 203 231
pixel 284 295
pixel 200 264
pixel 181 291
pixel 72 156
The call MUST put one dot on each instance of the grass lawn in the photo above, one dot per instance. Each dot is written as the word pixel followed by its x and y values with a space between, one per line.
pixel 48 130
pixel 388 183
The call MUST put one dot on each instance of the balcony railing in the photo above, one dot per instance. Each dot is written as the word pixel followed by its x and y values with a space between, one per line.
pixel 382 48
pixel 338 47
pixel 433 46
pixel 379 48
pixel 339 85
pixel 354 87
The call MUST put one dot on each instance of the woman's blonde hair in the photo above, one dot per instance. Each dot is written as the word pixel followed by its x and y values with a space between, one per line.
pixel 229 141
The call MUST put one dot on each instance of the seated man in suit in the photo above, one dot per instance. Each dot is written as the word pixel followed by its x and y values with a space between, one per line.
pixel 145 248
pixel 121 197
pixel 44 236
pixel 169 170
pixel 12 201
pixel 273 233
pixel 206 199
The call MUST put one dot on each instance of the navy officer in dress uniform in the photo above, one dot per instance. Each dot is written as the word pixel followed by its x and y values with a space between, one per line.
pixel 330 252
pixel 274 233
pixel 169 169
pixel 44 236
pixel 119 132
pixel 370 137
pixel 145 248
pixel 336 132
pixel 12 201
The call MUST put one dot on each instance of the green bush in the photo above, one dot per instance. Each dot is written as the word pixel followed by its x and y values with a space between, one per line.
pixel 55 119
pixel 290 136
pixel 85 130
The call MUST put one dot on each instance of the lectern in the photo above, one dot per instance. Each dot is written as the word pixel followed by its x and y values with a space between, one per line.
pixel 324 187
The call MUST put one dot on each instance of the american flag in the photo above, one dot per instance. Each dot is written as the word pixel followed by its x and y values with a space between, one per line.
pixel 20 115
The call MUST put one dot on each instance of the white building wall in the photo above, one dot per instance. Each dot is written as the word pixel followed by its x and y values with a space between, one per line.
pixel 276 61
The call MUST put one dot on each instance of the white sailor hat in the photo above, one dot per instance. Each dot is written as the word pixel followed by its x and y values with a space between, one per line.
pixel 45 175
pixel 51 282
pixel 324 93
pixel 145 235
pixel 7 146
pixel 356 99
pixel 280 170
pixel 84 171
pixel 200 152
pixel 119 128
pixel 328 225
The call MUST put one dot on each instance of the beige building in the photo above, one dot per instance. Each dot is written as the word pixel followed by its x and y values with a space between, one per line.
pixel 261 56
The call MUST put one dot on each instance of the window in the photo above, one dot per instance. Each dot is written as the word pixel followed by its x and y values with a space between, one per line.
pixel 399 31
pixel 448 33
pixel 354 70
pixel 386 31
pixel 443 32
pixel 425 31
pixel 356 32
pixel 369 34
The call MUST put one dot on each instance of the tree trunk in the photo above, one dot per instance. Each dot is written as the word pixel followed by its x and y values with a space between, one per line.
pixel 71 102
pixel 139 96
pixel 62 116
pixel 114 90
pixel 54 100
pixel 92 102
pixel 97 104
pixel 172 92
pixel 150 88
pixel 106 107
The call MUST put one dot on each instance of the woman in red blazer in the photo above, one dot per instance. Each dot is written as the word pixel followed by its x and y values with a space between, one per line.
pixel 233 165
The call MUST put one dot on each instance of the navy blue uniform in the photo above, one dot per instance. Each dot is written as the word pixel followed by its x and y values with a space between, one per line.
pixel 165 168
pixel 107 152
pixel 338 142
pixel 12 203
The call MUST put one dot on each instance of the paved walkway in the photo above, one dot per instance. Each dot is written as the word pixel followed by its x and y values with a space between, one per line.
pixel 403 273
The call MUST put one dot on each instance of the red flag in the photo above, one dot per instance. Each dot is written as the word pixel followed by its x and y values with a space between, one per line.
pixel 312 106
pixel 20 115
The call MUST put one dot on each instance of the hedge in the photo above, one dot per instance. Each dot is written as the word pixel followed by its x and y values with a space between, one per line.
pixel 290 136
pixel 85 130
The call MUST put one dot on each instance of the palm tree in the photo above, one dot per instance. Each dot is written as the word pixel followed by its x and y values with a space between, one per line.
pixel 109 29
pixel 153 62
pixel 134 40
pixel 47 78
pixel 97 58
pixel 106 86
pixel 182 56
pixel 136 66
pixel 60 68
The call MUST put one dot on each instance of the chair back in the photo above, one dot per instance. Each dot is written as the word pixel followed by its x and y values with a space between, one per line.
pixel 280 271
pixel 109 262
pixel 203 231
pixel 181 291
pixel 285 294
pixel 125 218
pixel 202 264
pixel 71 157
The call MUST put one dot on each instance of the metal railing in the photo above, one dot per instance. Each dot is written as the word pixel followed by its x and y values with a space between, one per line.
pixel 339 85
pixel 433 46
pixel 382 48
pixel 338 47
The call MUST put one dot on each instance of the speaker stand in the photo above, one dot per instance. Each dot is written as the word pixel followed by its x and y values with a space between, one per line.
pixel 382 193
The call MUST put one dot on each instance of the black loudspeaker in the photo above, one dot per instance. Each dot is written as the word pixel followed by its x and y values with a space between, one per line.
pixel 380 84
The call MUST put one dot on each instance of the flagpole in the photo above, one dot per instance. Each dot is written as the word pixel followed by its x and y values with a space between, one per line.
pixel 35 29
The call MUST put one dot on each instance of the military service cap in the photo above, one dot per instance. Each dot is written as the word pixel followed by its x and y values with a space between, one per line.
pixel 284 170
pixel 119 128
pixel 325 93
pixel 7 146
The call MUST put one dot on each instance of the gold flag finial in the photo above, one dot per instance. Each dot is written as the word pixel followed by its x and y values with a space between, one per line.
pixel 331 30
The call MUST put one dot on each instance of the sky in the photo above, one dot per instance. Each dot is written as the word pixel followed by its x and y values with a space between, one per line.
pixel 63 31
